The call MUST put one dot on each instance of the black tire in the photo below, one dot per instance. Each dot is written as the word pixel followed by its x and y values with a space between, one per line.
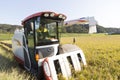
pixel 21 66
pixel 40 74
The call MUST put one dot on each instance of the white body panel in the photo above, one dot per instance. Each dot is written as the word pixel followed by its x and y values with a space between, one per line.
pixel 17 44
pixel 20 51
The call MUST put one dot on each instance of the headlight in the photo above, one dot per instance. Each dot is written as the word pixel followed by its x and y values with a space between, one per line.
pixel 60 16
pixel 52 14
pixel 64 17
pixel 46 14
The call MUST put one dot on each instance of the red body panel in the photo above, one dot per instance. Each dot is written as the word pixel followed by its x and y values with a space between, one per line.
pixel 19 60
pixel 39 14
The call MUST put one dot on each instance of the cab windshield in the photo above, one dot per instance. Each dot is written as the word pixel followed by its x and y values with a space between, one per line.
pixel 46 31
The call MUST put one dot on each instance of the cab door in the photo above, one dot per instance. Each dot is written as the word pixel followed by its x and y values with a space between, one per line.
pixel 27 60
pixel 28 42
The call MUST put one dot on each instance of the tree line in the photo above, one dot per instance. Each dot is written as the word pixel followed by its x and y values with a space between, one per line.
pixel 76 28
pixel 101 29
pixel 84 28
pixel 7 28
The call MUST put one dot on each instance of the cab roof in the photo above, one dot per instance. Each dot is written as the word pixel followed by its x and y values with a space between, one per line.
pixel 42 14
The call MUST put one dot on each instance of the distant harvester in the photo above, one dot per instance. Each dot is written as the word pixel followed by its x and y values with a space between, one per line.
pixel 85 20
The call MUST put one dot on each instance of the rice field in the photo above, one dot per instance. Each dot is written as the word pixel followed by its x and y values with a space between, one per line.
pixel 5 36
pixel 102 53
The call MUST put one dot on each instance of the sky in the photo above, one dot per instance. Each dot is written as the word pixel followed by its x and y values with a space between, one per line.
pixel 106 12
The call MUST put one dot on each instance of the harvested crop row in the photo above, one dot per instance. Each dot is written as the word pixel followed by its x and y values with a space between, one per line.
pixel 6 46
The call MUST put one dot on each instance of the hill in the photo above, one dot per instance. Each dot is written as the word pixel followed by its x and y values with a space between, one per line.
pixel 101 29
pixel 7 28
pixel 80 28
pixel 76 28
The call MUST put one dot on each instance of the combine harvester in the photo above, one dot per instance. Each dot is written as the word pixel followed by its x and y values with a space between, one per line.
pixel 37 47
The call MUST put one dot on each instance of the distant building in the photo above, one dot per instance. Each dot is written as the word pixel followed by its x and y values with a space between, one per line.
pixel 85 20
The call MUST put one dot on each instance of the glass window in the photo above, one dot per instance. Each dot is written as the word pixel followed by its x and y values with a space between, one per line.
pixel 29 34
pixel 46 31
pixel 37 23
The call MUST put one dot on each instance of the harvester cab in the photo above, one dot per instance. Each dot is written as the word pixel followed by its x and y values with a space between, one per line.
pixel 37 47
